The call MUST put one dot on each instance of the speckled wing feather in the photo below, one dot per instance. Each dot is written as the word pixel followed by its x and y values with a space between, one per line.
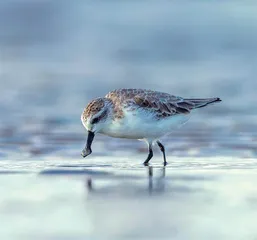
pixel 160 104
pixel 163 104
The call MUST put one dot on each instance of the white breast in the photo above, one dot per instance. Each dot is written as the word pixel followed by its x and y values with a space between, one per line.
pixel 138 125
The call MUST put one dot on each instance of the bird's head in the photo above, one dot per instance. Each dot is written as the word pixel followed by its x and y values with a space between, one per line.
pixel 95 115
pixel 94 118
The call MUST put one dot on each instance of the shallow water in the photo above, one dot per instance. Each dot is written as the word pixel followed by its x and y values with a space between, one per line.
pixel 116 198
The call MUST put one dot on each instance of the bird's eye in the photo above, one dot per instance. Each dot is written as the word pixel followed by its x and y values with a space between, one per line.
pixel 95 120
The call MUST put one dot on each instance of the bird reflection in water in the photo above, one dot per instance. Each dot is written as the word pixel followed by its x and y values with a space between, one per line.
pixel 160 181
pixel 156 185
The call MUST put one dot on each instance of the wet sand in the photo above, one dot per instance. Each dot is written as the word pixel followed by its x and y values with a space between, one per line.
pixel 116 198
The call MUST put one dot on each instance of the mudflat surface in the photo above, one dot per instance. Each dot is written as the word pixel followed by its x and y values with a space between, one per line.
pixel 116 198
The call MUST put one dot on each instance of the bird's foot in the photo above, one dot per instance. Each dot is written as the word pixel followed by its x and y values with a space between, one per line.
pixel 146 163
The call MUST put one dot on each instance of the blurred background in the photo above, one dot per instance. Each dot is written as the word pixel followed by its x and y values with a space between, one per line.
pixel 55 56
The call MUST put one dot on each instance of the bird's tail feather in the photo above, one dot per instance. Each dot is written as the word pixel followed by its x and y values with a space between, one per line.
pixel 199 103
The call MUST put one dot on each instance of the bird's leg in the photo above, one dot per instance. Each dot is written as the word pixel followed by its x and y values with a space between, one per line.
pixel 163 152
pixel 150 154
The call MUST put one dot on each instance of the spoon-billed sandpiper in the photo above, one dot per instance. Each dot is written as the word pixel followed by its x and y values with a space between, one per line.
pixel 138 114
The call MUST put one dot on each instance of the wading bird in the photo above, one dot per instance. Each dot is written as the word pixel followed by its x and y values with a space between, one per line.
pixel 138 114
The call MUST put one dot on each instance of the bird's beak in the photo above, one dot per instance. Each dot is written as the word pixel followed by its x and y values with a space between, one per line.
pixel 87 150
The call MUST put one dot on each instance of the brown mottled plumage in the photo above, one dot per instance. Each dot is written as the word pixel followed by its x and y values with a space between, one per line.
pixel 93 107
pixel 160 104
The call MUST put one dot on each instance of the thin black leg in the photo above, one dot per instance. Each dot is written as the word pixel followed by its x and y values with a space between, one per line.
pixel 150 155
pixel 163 152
